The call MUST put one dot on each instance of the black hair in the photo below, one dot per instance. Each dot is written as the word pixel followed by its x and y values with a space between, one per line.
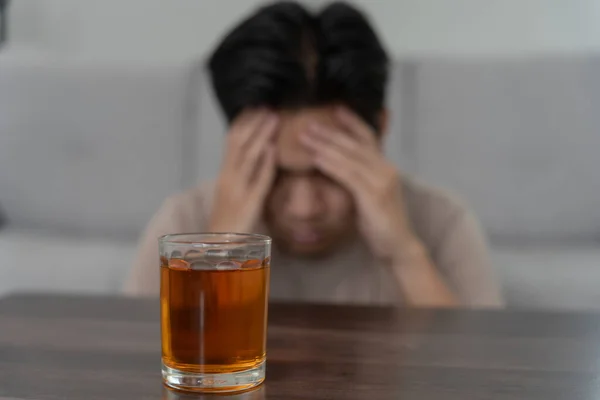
pixel 284 56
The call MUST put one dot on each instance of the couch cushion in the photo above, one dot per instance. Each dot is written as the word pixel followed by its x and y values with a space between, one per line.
pixel 90 147
pixel 550 277
pixel 36 261
pixel 518 138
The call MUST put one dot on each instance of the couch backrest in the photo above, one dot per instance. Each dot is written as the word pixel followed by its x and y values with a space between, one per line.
pixel 96 148
pixel 518 138
pixel 88 147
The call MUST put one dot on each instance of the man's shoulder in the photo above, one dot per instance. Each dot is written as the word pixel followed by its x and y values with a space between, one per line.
pixel 194 201
pixel 431 209
pixel 419 194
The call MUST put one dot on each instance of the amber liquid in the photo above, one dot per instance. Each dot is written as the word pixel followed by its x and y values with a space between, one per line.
pixel 213 321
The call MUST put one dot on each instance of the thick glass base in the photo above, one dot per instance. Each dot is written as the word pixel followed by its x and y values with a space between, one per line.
pixel 221 383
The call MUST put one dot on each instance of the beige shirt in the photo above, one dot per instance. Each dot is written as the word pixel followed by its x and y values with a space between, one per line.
pixel 448 230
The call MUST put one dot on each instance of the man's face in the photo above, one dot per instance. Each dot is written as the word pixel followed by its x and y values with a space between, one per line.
pixel 308 213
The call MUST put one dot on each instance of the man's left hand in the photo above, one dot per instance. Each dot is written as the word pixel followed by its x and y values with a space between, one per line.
pixel 352 156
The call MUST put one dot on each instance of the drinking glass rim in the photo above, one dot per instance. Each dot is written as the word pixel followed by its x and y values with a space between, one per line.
pixel 200 238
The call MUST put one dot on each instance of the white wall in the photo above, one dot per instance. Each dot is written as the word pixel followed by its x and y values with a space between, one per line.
pixel 486 26
pixel 173 28
pixel 129 28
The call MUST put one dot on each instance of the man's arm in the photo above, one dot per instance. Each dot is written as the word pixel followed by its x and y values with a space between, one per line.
pixel 353 157
pixel 420 281
pixel 243 183
pixel 458 273
pixel 462 257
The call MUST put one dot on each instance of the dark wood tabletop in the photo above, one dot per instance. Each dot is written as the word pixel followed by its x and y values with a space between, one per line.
pixel 70 347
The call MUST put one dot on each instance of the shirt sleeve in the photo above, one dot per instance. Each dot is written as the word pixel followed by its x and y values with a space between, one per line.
pixel 463 257
pixel 178 214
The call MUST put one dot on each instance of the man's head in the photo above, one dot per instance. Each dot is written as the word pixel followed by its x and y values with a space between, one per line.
pixel 302 65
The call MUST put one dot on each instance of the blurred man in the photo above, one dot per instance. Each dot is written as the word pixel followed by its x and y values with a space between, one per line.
pixel 304 95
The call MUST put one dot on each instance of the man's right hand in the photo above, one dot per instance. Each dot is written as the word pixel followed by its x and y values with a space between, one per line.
pixel 247 173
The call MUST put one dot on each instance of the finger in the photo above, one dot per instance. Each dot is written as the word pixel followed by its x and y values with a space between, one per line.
pixel 356 126
pixel 241 132
pixel 333 162
pixel 248 159
pixel 327 136
pixel 265 173
pixel 366 164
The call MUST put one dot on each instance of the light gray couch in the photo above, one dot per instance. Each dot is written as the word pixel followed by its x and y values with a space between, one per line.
pixel 88 151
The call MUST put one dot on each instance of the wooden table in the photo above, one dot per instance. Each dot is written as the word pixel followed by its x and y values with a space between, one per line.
pixel 57 347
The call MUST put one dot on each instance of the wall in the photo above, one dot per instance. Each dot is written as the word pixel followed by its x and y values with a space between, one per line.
pixel 124 28
pixel 174 28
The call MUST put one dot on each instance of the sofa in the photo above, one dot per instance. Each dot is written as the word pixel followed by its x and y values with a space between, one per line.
pixel 90 148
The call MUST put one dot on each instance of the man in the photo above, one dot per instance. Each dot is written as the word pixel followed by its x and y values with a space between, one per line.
pixel 304 94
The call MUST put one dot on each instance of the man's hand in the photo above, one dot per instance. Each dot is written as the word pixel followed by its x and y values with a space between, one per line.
pixel 352 157
pixel 247 173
